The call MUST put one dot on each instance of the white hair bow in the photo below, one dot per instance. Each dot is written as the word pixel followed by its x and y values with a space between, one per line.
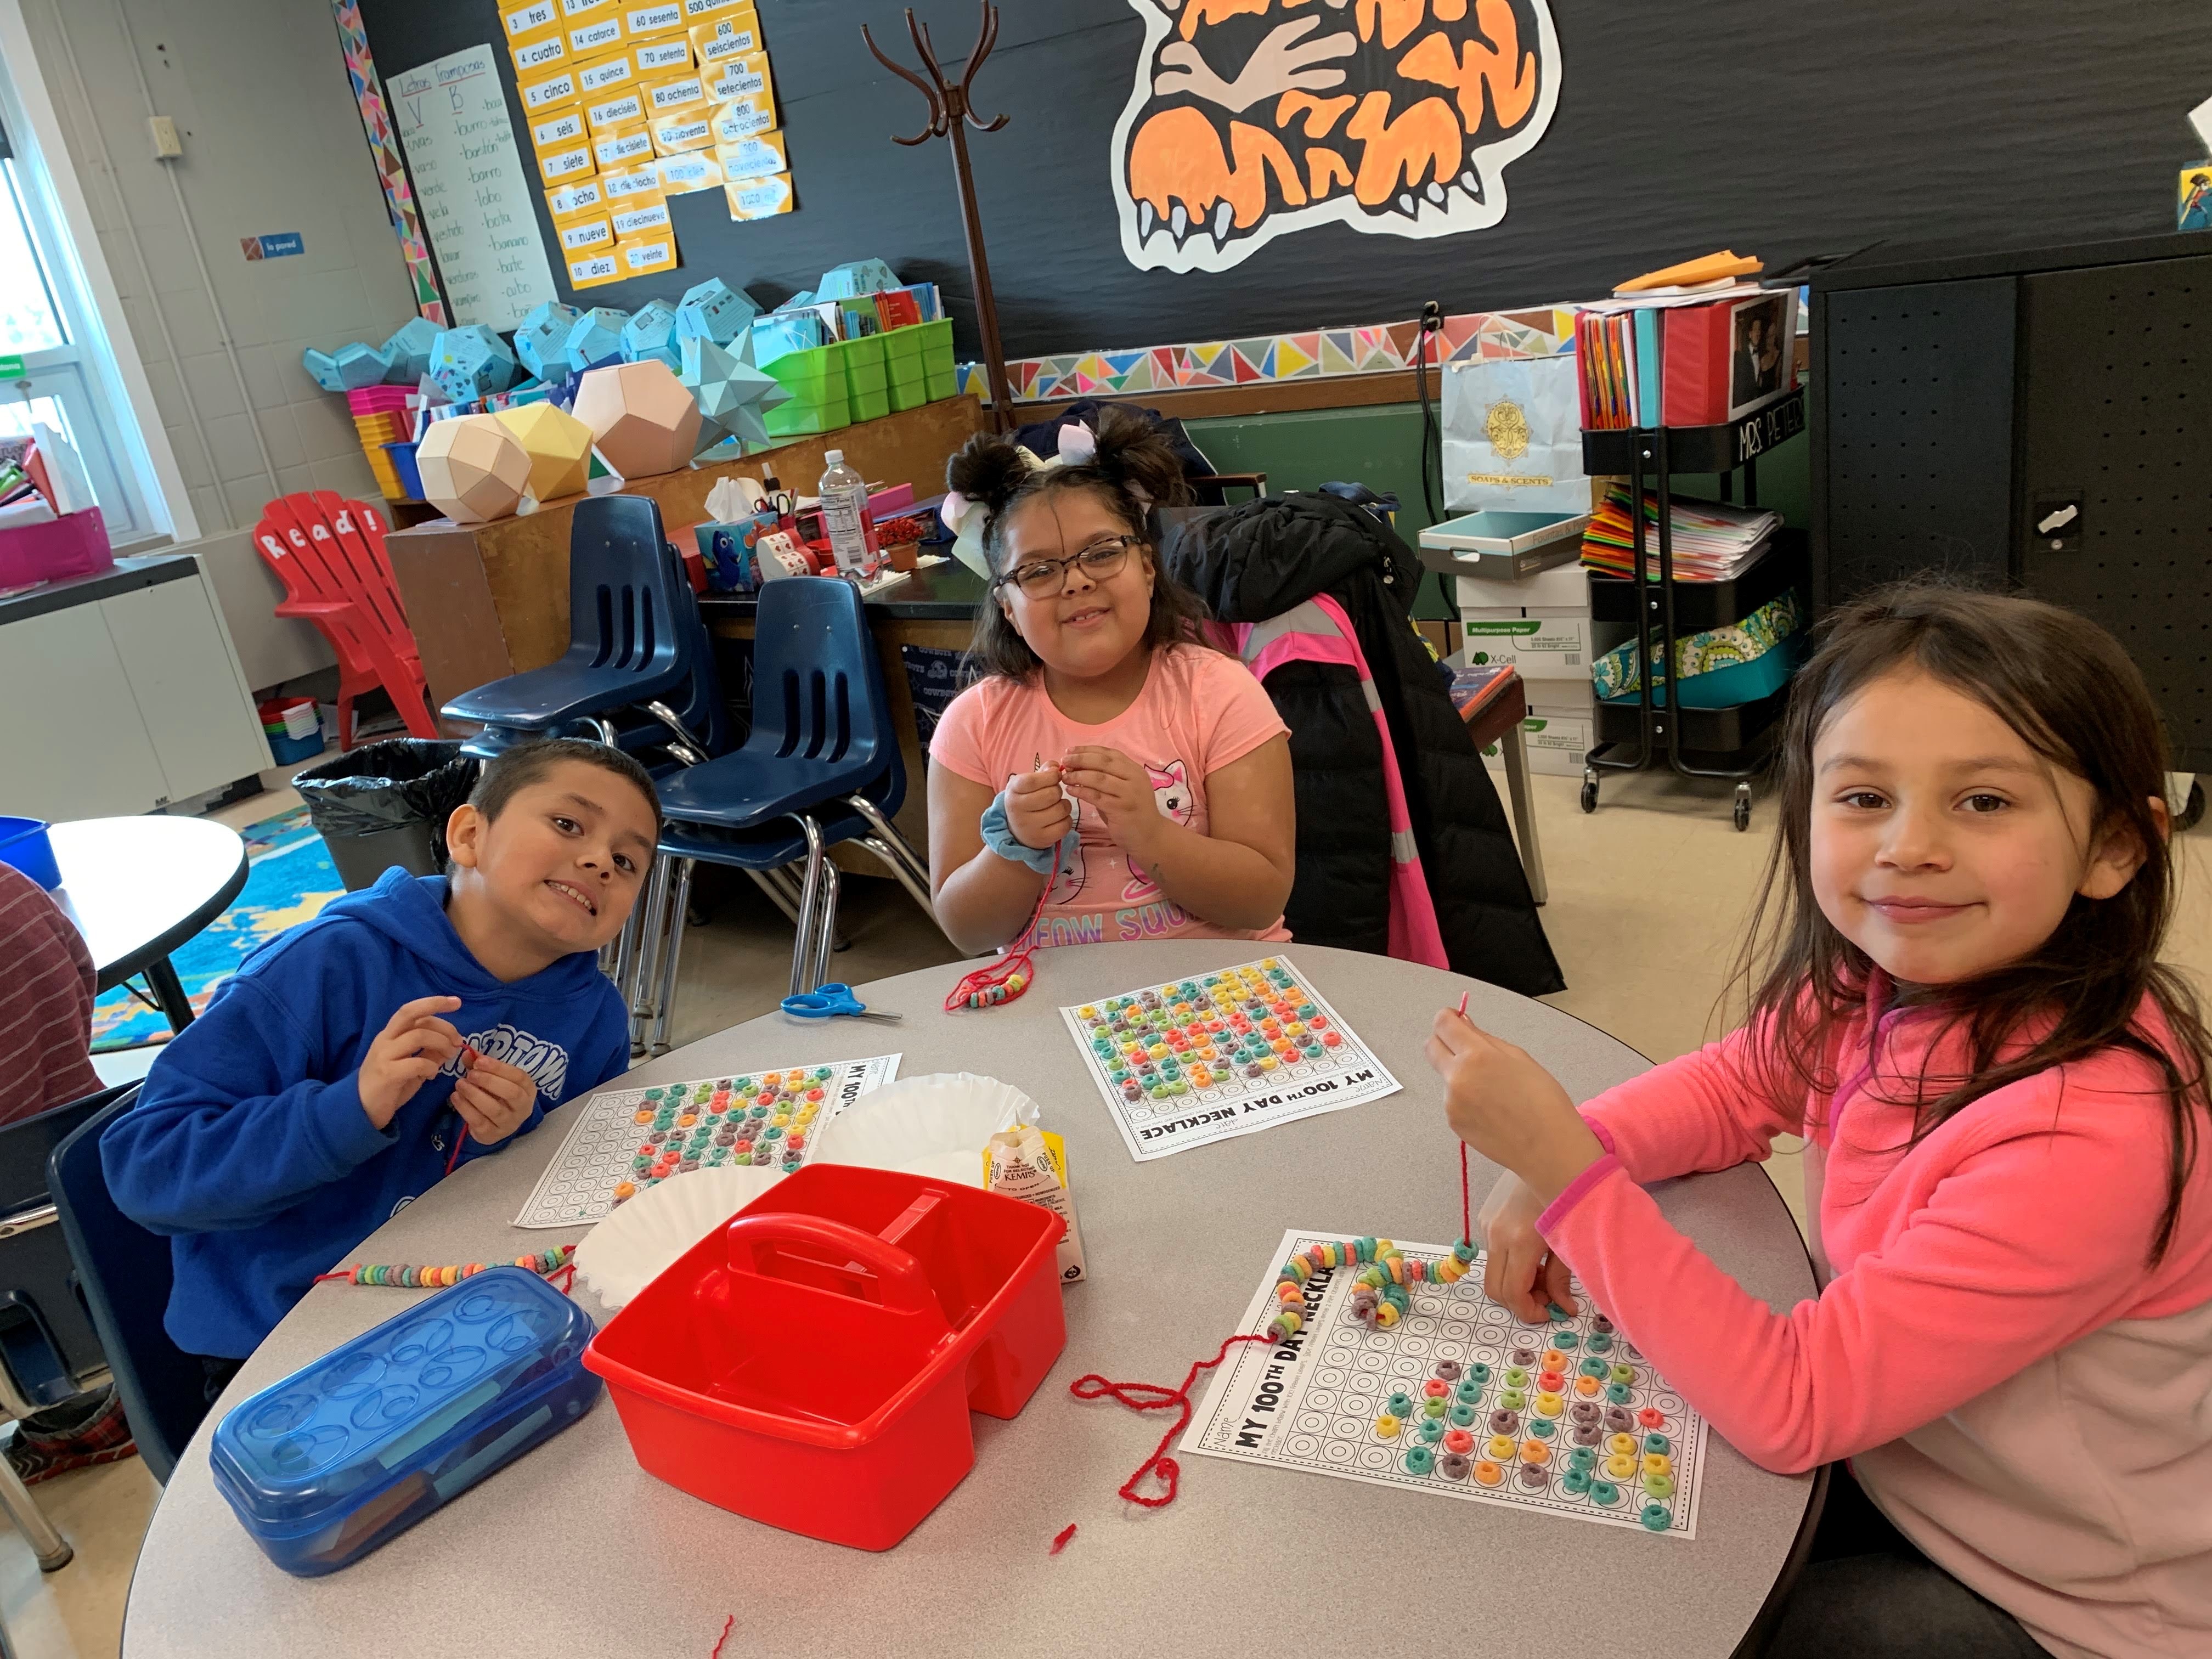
pixel 966 519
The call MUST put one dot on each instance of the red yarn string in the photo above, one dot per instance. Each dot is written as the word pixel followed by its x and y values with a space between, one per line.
pixel 1060 1540
pixel 1152 1397
pixel 724 1637
pixel 1465 1190
pixel 1009 963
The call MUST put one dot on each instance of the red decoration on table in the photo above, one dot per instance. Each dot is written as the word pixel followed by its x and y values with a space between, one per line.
pixel 1152 1397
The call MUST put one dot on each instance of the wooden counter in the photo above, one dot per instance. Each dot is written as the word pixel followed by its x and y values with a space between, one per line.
pixel 491 599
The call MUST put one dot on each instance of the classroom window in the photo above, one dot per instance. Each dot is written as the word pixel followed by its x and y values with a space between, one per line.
pixel 53 367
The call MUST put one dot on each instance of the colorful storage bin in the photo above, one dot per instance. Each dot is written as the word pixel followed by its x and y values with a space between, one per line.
pixel 1719 667
pixel 380 416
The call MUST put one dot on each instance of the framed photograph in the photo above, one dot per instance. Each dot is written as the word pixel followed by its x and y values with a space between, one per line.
pixel 1762 348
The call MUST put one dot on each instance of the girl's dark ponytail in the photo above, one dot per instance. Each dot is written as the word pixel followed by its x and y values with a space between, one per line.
pixel 1132 468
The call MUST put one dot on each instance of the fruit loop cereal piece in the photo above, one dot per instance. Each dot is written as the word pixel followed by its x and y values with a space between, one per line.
pixel 1488 1474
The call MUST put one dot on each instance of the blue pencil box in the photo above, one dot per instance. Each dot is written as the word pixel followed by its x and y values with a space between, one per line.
pixel 351 1451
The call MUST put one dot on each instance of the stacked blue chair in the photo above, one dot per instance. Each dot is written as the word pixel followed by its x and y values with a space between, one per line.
pixel 634 642
pixel 820 766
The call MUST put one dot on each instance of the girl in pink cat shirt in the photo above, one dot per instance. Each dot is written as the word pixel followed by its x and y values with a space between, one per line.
pixel 2007 1180
pixel 1141 777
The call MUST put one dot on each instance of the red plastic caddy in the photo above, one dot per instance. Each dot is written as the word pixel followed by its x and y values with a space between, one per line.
pixel 812 1364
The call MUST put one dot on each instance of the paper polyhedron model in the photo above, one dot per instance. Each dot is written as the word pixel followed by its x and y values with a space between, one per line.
pixel 713 310
pixel 472 468
pixel 651 334
pixel 348 368
pixel 733 397
pixel 541 339
pixel 559 447
pixel 408 350
pixel 641 415
pixel 472 362
pixel 595 338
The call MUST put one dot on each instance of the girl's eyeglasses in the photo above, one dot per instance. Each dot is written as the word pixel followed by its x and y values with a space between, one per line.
pixel 1099 562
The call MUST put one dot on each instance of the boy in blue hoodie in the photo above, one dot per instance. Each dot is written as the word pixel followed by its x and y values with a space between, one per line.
pixel 350 1065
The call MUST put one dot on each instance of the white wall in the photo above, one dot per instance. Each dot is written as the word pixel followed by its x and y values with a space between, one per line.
pixel 272 142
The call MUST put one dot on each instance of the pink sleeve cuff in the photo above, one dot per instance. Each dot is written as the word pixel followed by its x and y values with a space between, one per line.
pixel 1604 1135
pixel 1557 1211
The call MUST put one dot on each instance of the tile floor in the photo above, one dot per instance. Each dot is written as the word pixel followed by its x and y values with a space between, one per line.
pixel 1647 898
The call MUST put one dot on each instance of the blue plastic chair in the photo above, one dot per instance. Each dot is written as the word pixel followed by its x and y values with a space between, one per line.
pixel 629 646
pixel 691 724
pixel 821 760
pixel 123 1273
pixel 47 1342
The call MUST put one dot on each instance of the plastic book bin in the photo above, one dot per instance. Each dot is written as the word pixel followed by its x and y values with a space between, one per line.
pixel 23 844
pixel 800 416
pixel 74 544
pixel 351 1451
pixel 812 1364
pixel 403 468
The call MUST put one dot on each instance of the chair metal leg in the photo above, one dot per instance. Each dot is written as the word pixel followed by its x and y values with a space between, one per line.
pixel 785 883
pixel 53 1549
pixel 648 966
pixel 802 952
pixel 825 922
pixel 784 901
pixel 917 890
pixel 626 946
pixel 1524 811
pixel 901 849
pixel 898 856
pixel 679 901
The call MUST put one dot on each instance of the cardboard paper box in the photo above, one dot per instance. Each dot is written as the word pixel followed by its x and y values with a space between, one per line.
pixel 1563 588
pixel 1555 744
pixel 1541 644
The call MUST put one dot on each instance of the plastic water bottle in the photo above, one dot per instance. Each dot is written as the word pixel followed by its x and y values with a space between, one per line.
pixel 846 519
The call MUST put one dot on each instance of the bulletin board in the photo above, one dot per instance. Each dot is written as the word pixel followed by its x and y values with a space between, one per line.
pixel 1783 130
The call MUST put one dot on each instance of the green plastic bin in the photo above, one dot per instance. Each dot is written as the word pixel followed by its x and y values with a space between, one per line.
pixel 802 415
pixel 810 375
pixel 944 383
pixel 936 345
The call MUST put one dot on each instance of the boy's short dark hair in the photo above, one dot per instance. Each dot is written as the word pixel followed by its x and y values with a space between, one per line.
pixel 517 769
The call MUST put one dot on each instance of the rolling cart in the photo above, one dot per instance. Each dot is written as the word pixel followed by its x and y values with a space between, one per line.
pixel 1733 742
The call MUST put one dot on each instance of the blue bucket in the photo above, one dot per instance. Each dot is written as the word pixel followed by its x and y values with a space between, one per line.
pixel 23 844
pixel 402 463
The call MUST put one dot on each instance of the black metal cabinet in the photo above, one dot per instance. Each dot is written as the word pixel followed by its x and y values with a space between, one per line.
pixel 2039 420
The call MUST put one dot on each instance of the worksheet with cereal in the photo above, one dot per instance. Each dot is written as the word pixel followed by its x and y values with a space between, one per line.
pixel 1191 1061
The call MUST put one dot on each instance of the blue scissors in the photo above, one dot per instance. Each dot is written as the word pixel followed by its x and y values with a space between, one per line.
pixel 829 1001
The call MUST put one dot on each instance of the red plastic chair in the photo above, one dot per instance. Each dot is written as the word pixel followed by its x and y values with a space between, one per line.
pixel 329 553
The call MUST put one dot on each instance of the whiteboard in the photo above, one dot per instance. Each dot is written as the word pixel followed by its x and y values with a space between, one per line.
pixel 470 186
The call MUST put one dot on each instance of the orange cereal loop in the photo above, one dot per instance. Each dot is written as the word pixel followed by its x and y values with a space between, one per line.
pixel 625 1189
pixel 1536 1452
pixel 643 1115
pixel 1488 1472
pixel 1553 1360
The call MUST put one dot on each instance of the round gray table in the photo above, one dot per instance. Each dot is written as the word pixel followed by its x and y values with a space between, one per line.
pixel 138 888
pixel 573 1553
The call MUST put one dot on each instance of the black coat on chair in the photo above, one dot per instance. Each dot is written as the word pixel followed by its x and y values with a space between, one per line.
pixel 1257 561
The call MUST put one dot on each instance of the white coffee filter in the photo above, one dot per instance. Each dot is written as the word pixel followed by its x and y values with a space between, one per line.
pixel 935 1125
pixel 643 1238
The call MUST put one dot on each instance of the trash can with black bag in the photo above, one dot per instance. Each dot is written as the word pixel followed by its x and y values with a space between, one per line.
pixel 386 802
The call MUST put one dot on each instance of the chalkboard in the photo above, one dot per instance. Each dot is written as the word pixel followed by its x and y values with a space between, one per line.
pixel 1678 129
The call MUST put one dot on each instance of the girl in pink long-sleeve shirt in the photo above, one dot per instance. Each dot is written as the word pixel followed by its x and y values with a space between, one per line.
pixel 2003 1094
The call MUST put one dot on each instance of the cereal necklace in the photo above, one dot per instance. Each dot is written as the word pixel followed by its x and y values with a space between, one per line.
pixel 544 1264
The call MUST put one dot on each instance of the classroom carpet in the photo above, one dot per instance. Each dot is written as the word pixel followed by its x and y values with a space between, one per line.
pixel 288 880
